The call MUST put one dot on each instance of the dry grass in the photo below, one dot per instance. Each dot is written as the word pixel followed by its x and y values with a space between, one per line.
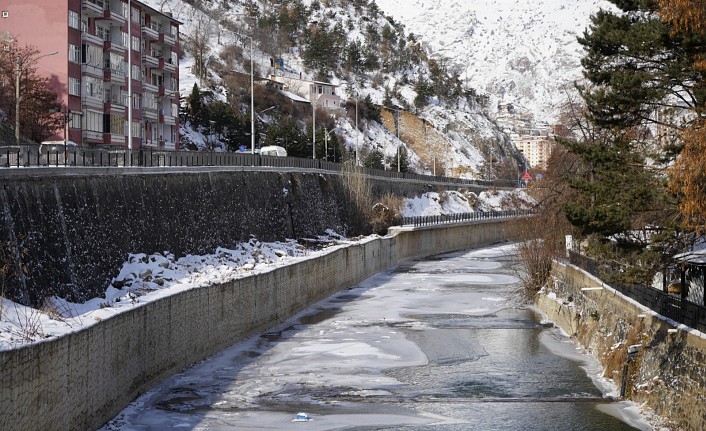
pixel 536 249
pixel 359 193
pixel 614 359
pixel 386 213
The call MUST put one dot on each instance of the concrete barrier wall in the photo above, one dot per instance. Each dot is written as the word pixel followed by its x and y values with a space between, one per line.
pixel 666 375
pixel 82 380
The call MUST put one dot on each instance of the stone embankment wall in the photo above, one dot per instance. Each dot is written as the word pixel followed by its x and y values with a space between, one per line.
pixel 77 225
pixel 84 379
pixel 666 374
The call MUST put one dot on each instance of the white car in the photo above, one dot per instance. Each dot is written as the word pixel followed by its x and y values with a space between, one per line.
pixel 273 150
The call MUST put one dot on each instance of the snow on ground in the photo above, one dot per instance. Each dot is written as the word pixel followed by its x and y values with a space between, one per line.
pixel 454 202
pixel 145 278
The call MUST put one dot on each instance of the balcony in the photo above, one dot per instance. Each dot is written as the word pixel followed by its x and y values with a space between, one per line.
pixel 167 64
pixel 113 75
pixel 113 107
pixel 150 33
pixel 91 102
pixel 91 9
pixel 167 39
pixel 150 114
pixel 114 16
pixel 113 139
pixel 149 87
pixel 166 92
pixel 90 70
pixel 166 118
pixel 91 136
pixel 114 46
pixel 149 59
pixel 91 38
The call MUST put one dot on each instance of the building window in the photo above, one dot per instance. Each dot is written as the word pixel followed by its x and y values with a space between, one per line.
pixel 125 39
pixel 135 15
pixel 135 43
pixel 74 53
pixel 103 32
pixel 136 100
pixel 136 129
pixel 92 55
pixel 174 110
pixel 74 20
pixel 93 121
pixel 136 73
pixel 75 120
pixel 150 101
pixel 117 124
pixel 74 86
pixel 84 25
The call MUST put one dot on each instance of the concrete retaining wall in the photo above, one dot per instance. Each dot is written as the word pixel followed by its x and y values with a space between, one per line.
pixel 78 226
pixel 84 379
pixel 666 375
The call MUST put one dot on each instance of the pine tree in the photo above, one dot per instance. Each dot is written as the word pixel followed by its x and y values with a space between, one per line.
pixel 374 160
pixel 637 65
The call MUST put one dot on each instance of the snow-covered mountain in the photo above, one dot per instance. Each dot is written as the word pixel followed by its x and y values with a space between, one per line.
pixel 520 51
pixel 460 139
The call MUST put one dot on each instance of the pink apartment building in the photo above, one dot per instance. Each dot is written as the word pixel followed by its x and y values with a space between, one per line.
pixel 101 43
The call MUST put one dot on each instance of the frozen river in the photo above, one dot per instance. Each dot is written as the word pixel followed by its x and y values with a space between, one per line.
pixel 432 344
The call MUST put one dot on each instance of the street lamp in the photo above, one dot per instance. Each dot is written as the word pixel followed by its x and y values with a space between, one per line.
pixel 252 94
pixel 356 129
pixel 314 99
pixel 20 68
pixel 327 136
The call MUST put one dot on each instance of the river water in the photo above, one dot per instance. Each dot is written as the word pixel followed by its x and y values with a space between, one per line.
pixel 432 344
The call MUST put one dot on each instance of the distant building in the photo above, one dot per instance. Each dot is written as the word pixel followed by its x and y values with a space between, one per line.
pixel 90 72
pixel 535 148
pixel 321 93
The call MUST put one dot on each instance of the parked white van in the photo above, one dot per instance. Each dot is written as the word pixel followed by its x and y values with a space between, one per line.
pixel 273 150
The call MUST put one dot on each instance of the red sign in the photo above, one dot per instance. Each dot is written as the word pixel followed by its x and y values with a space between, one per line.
pixel 526 177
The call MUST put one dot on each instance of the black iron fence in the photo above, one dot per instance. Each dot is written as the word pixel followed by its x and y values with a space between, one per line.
pixel 668 305
pixel 60 155
pixel 461 217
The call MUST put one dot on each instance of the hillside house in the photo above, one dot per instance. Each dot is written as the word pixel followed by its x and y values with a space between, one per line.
pixel 322 93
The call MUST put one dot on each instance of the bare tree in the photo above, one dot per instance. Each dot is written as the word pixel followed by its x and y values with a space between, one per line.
pixel 198 42
pixel 38 101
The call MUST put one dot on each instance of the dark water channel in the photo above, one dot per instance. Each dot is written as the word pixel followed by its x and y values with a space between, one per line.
pixel 435 344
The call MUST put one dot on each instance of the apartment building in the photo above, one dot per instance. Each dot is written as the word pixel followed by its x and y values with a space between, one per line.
pixel 100 44
pixel 535 148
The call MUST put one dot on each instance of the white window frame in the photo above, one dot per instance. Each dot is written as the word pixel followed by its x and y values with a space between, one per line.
pixel 74 53
pixel 74 20
pixel 74 86
pixel 135 43
pixel 135 16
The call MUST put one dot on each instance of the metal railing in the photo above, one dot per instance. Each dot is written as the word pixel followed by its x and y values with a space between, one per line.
pixel 673 307
pixel 461 217
pixel 31 156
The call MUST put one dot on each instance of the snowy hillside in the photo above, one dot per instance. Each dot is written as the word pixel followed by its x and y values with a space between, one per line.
pixel 514 50
pixel 456 141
